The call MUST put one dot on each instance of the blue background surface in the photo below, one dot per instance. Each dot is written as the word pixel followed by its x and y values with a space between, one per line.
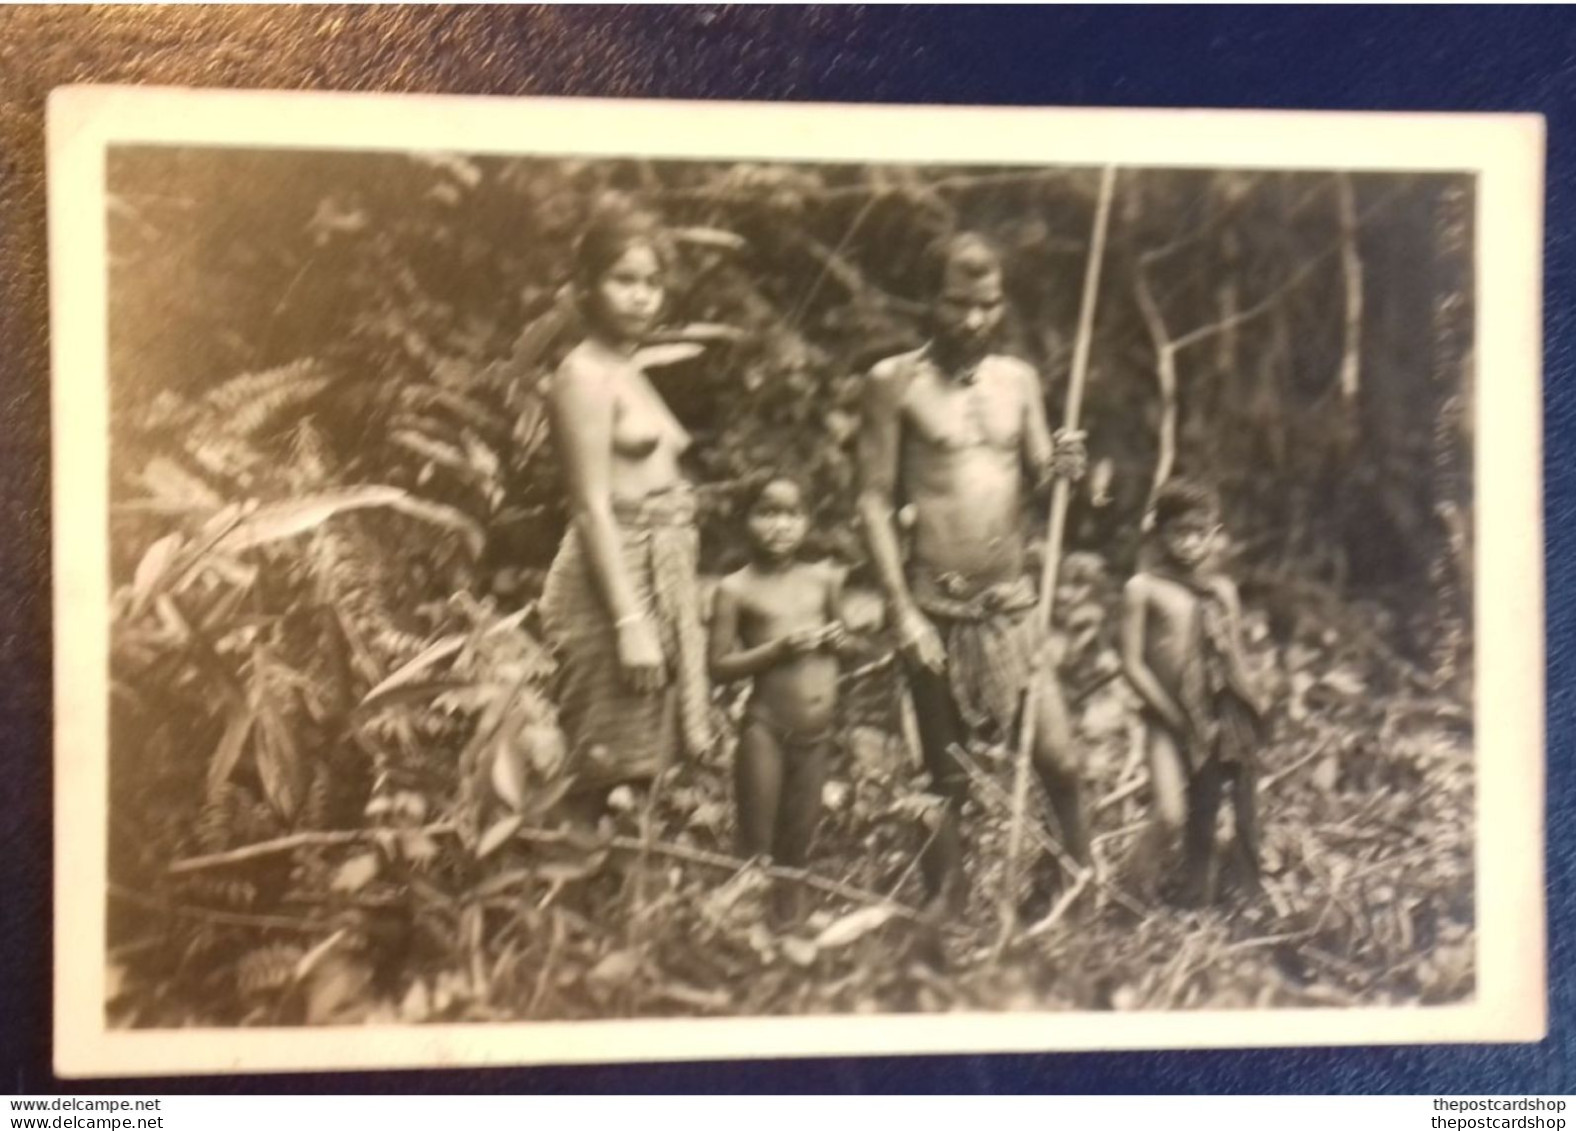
pixel 1460 59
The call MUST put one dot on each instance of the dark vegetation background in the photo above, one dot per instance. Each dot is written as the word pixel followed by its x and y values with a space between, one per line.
pixel 335 496
pixel 1133 58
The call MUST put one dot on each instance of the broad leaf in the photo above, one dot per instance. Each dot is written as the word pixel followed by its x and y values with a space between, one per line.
pixel 852 927
pixel 498 835
pixel 357 872
pixel 151 570
pixel 710 237
pixel 655 357
pixel 508 774
pixel 228 752
pixel 277 521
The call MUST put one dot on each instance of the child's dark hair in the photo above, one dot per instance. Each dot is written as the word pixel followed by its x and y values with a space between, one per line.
pixel 616 224
pixel 969 253
pixel 1184 498
pixel 750 495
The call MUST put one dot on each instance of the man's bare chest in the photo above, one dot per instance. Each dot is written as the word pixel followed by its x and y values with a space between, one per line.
pixel 953 416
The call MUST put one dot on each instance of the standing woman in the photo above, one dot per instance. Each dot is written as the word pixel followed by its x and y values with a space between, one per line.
pixel 621 604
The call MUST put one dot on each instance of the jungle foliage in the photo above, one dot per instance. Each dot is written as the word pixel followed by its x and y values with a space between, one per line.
pixel 335 774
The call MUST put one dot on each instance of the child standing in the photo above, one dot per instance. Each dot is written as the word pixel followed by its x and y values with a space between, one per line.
pixel 778 620
pixel 1182 651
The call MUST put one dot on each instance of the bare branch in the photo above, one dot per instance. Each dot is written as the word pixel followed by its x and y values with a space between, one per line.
pixel 1352 275
pixel 636 845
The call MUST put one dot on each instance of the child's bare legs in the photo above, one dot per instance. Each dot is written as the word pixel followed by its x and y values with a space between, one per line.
pixel 757 785
pixel 798 812
pixel 1056 762
pixel 1198 848
pixel 1244 804
pixel 778 790
pixel 1168 791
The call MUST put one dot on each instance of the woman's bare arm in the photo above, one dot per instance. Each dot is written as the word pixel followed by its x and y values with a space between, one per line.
pixel 581 401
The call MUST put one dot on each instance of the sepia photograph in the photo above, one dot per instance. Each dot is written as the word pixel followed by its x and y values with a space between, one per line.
pixel 865 579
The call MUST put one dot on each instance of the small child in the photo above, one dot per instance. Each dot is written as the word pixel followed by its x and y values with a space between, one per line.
pixel 778 620
pixel 1182 651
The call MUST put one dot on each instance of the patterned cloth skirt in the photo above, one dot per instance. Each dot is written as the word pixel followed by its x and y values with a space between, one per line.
pixel 616 733
pixel 992 635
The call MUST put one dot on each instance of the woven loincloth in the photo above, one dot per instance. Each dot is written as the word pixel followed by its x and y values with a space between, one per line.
pixel 638 733
pixel 1212 688
pixel 991 636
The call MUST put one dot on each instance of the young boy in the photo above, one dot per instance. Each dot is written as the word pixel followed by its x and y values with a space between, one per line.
pixel 778 620
pixel 1182 651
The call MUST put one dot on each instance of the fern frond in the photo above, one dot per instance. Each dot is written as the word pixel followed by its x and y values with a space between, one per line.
pixel 246 404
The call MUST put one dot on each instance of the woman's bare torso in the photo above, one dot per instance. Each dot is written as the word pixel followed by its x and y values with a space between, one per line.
pixel 646 439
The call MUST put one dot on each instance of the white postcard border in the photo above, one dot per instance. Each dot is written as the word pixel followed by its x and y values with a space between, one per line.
pixel 1506 153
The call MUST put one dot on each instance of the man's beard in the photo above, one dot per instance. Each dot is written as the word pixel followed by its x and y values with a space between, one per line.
pixel 958 352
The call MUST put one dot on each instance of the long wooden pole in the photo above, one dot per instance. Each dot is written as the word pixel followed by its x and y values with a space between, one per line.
pixel 1061 496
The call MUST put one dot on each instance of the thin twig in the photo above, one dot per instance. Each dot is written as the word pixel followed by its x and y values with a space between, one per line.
pixel 553 836
pixel 733 864
pixel 1268 940
pixel 222 918
pixel 1043 839
pixel 1125 830
pixel 546 971
pixel 1270 779
pixel 913 863
pixel 834 256
pixel 952 183
pixel 1061 905
pixel 1121 793
pixel 284 844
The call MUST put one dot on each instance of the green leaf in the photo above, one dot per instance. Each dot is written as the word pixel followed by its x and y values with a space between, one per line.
pixel 699 332
pixel 357 872
pixel 508 773
pixel 152 569
pixel 417 1002
pixel 437 451
pixel 440 515
pixel 418 846
pixel 615 969
pixel 655 357
pixel 228 752
pixel 278 521
pixel 497 835
pixel 411 693
pixel 545 797
pixel 569 871
pixel 278 761
pixel 715 238
pixel 852 927
pixel 440 649
pixel 801 952
pixel 310 960
pixel 338 991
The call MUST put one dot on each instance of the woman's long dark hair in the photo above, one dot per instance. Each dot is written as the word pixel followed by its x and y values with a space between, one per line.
pixel 617 224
